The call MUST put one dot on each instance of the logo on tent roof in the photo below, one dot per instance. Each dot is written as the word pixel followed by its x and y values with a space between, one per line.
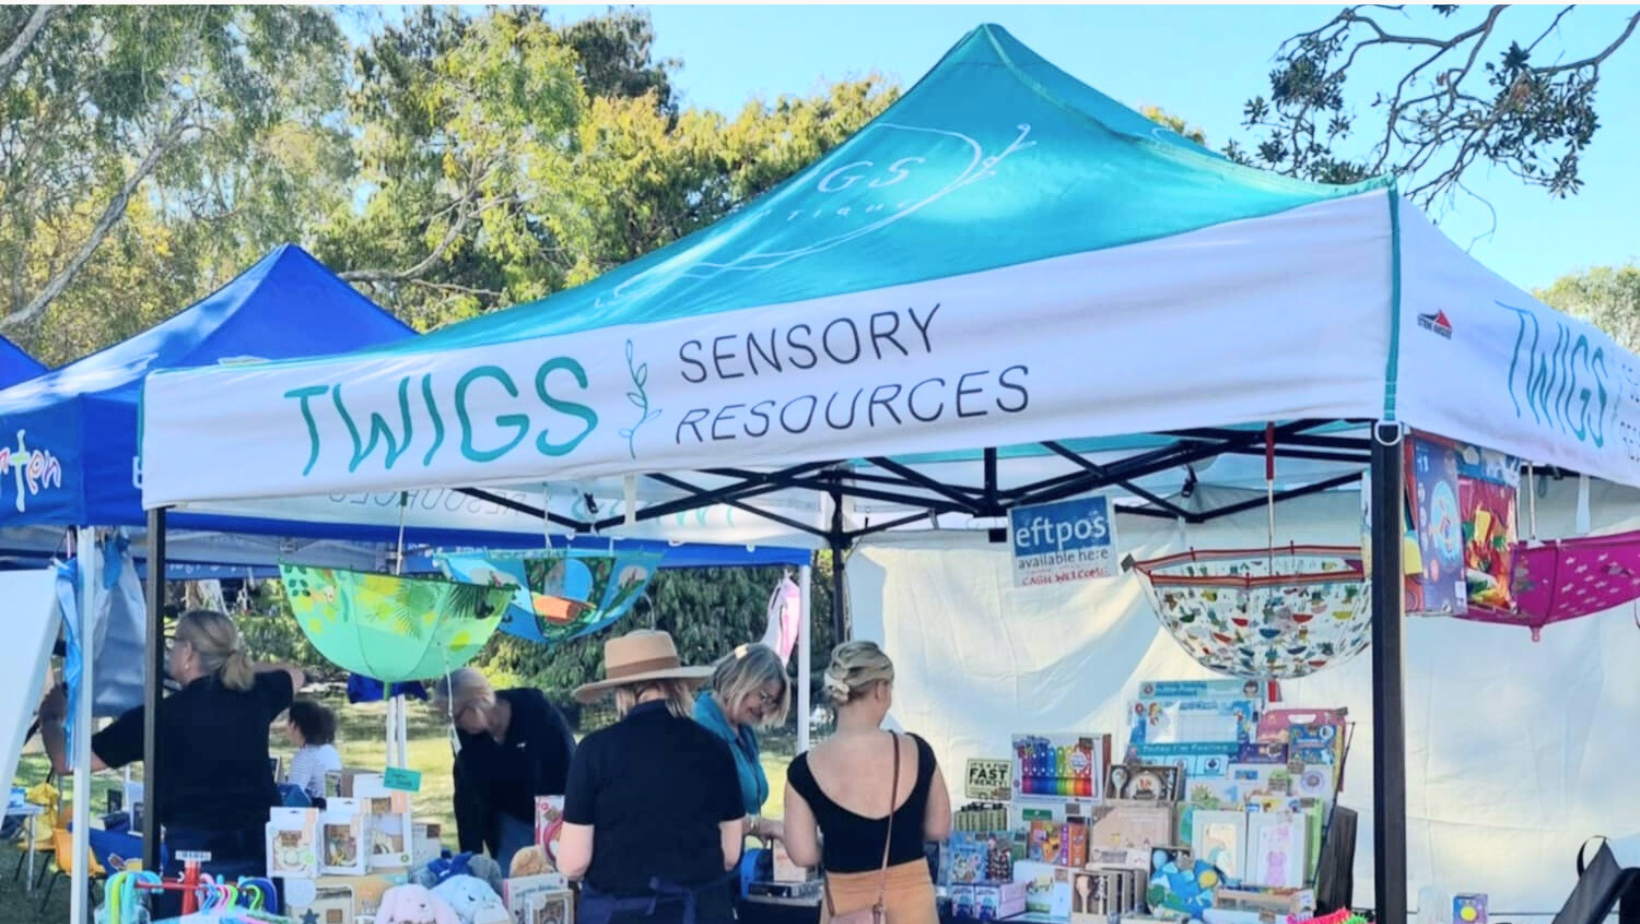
pixel 35 470
pixel 1437 322
pixel 881 175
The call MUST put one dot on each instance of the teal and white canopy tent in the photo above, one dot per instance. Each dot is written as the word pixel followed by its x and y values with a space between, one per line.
pixel 1008 289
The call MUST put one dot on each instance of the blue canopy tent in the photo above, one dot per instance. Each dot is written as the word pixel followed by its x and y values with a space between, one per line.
pixel 16 365
pixel 71 434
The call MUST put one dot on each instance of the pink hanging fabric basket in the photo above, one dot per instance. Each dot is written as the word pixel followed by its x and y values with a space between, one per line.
pixel 1567 579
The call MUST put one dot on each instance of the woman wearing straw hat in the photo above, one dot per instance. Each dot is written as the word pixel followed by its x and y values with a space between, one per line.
pixel 653 815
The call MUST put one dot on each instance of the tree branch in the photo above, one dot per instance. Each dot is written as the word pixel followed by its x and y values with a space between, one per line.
pixel 12 58
pixel 111 215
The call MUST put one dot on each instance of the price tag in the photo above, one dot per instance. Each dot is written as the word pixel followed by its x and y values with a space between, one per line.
pixel 990 780
pixel 402 779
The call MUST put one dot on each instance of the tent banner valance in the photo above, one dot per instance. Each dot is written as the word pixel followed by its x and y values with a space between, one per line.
pixel 1207 328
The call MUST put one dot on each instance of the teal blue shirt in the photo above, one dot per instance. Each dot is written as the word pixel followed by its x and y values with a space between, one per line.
pixel 754 784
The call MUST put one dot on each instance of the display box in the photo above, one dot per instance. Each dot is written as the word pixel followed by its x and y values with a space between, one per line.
pixel 1220 838
pixel 1134 825
pixel 1235 906
pixel 1048 889
pixel 293 843
pixel 333 903
pixel 1091 897
pixel 556 907
pixel 784 870
pixel 341 839
pixel 516 893
pixel 549 821
pixel 962 901
pixel 388 827
pixel 997 901
pixel 1060 767
pixel 1277 851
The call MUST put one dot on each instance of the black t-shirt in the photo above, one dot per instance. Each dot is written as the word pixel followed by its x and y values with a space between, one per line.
pixel 213 772
pixel 505 777
pixel 854 844
pixel 654 788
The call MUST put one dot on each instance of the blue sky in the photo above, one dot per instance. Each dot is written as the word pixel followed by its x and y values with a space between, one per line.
pixel 1199 62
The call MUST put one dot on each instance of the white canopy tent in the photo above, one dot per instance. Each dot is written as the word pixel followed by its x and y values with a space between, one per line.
pixel 1006 290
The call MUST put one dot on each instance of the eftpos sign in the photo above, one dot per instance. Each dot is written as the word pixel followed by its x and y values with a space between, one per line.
pixel 1072 540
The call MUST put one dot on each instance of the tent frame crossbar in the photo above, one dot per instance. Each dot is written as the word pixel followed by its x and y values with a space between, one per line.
pixel 898 483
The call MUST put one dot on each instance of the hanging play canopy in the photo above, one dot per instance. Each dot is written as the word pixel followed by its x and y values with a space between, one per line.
pixel 390 627
pixel 1262 614
pixel 559 594
pixel 1565 579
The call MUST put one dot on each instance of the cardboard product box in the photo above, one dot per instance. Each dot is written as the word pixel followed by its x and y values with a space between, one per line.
pixel 341 839
pixel 365 893
pixel 1048 889
pixel 784 869
pixel 293 843
pixel 389 829
pixel 557 907
pixel 1090 896
pixel 549 820
pixel 331 904
pixel 998 901
pixel 427 843
pixel 962 901
pixel 1131 825
pixel 1237 906
pixel 516 893
pixel 1120 858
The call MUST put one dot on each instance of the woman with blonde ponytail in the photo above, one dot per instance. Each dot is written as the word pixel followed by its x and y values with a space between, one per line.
pixel 213 781
pixel 878 797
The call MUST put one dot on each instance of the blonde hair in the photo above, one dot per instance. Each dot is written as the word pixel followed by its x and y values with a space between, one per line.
pixel 856 669
pixel 460 689
pixel 220 647
pixel 678 695
pixel 745 672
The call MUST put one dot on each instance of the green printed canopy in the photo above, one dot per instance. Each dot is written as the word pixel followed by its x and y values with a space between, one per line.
pixel 390 627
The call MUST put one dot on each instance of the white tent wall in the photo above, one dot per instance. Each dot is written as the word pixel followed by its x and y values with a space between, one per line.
pixel 1515 749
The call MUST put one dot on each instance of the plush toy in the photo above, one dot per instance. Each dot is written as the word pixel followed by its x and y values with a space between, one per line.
pixel 472 900
pixel 413 904
pixel 531 861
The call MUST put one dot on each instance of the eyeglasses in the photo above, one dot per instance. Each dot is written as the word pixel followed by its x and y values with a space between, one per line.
pixel 767 700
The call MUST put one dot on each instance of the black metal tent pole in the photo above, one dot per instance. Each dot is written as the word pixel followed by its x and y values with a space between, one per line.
pixel 1389 741
pixel 153 682
pixel 839 544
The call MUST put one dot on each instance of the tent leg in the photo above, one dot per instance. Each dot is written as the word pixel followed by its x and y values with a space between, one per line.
pixel 1389 755
pixel 90 558
pixel 805 658
pixel 839 607
pixel 153 683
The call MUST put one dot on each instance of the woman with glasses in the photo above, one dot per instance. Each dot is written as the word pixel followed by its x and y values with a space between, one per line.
pixel 750 690
pixel 515 745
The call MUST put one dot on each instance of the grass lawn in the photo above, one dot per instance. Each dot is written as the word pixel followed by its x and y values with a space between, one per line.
pixel 363 742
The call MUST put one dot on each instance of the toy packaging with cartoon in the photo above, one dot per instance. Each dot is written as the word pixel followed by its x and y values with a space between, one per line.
pixel 1220 785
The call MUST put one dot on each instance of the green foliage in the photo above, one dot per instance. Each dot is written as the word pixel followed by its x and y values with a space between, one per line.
pixel 1476 85
pixel 708 611
pixel 1607 297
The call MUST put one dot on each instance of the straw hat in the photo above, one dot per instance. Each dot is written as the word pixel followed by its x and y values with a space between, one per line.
pixel 639 657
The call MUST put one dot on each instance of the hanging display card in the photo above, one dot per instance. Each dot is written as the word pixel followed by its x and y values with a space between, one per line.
pixel 1487 484
pixel 1160 729
pixel 1057 543
pixel 1435 585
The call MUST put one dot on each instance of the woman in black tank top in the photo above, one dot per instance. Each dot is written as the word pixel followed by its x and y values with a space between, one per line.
pixel 847 790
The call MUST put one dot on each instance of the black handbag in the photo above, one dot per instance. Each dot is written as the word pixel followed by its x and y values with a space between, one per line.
pixel 1603 884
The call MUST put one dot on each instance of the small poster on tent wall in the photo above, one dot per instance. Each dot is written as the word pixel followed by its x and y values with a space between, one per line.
pixel 1057 543
pixel 1487 485
pixel 1435 578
